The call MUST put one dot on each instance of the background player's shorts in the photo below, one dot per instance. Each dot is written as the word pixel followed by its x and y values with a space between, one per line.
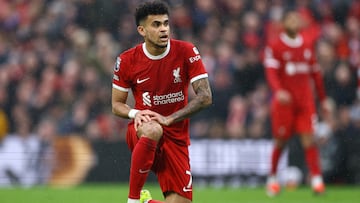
pixel 171 164
pixel 292 118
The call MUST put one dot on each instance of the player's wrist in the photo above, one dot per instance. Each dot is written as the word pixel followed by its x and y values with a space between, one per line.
pixel 132 113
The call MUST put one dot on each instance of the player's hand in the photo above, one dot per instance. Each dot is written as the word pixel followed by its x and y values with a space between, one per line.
pixel 327 107
pixel 283 96
pixel 143 116
pixel 162 120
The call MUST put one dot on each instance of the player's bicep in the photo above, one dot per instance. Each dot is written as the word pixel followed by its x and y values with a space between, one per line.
pixel 118 103
pixel 118 96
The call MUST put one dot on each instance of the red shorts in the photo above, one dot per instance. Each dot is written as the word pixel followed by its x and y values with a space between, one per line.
pixel 292 118
pixel 171 164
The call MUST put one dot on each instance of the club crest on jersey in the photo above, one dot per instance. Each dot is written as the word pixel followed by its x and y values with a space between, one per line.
pixel 176 74
pixel 117 64
pixel 287 56
pixel 307 54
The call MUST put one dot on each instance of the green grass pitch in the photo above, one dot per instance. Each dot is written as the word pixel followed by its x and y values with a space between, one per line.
pixel 104 193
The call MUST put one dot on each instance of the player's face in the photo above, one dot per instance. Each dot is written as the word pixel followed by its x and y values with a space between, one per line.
pixel 292 23
pixel 155 30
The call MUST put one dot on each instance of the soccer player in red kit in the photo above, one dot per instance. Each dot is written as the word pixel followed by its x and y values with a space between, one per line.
pixel 159 72
pixel 291 71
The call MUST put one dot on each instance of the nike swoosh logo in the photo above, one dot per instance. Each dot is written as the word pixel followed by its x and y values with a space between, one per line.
pixel 186 189
pixel 138 81
pixel 144 171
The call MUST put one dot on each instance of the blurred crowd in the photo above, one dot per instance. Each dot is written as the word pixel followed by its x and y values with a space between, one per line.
pixel 57 58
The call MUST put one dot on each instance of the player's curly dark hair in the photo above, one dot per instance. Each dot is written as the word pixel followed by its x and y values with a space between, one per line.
pixel 150 8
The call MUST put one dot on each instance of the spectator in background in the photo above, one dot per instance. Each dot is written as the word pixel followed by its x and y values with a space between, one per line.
pixel 45 159
pixel 348 140
pixel 235 124
pixel 344 85
pixel 19 152
pixel 4 125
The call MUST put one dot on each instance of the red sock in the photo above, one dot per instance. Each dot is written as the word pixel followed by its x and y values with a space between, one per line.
pixel 276 154
pixel 312 160
pixel 155 201
pixel 141 162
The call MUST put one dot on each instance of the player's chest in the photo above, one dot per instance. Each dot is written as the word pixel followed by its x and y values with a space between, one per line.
pixel 156 75
pixel 302 54
pixel 296 61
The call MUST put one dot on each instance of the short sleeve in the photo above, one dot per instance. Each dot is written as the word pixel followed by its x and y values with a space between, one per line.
pixel 120 78
pixel 195 65
pixel 270 61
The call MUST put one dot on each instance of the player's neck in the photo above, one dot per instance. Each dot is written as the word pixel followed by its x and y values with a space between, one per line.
pixel 292 35
pixel 154 50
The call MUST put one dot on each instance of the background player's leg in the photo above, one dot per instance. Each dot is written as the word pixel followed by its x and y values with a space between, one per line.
pixel 272 185
pixel 311 154
pixel 279 145
pixel 142 157
pixel 282 123
pixel 313 162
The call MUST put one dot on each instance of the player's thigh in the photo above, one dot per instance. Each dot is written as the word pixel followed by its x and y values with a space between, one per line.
pixel 172 167
pixel 131 136
pixel 305 126
pixel 176 198
pixel 282 120
pixel 305 121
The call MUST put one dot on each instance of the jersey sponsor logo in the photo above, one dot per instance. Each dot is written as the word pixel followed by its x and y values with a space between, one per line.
pixel 162 99
pixel 169 98
pixel 292 68
pixel 138 81
pixel 117 64
pixel 194 58
pixel 146 99
pixel 176 74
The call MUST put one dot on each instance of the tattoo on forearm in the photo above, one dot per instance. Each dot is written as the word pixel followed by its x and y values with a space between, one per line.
pixel 202 99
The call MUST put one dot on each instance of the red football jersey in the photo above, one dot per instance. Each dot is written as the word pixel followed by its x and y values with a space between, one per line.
pixel 291 65
pixel 160 83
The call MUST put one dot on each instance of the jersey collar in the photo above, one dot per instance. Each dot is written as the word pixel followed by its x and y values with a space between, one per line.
pixel 297 42
pixel 158 57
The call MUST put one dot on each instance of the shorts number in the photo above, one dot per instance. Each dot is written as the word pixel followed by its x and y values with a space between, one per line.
pixel 188 187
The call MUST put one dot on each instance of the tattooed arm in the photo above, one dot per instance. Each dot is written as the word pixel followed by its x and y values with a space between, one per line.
pixel 202 100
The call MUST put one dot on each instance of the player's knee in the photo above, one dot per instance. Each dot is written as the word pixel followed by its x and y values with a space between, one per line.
pixel 152 130
pixel 307 141
pixel 280 143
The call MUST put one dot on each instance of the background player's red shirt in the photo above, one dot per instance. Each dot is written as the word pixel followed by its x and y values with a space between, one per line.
pixel 290 64
pixel 160 83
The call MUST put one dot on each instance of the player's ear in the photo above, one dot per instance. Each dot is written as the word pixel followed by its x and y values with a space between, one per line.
pixel 141 30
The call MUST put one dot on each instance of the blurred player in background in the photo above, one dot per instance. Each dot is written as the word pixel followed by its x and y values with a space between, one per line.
pixel 158 72
pixel 291 72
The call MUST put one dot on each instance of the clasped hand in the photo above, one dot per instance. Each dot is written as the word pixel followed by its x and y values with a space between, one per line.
pixel 144 116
